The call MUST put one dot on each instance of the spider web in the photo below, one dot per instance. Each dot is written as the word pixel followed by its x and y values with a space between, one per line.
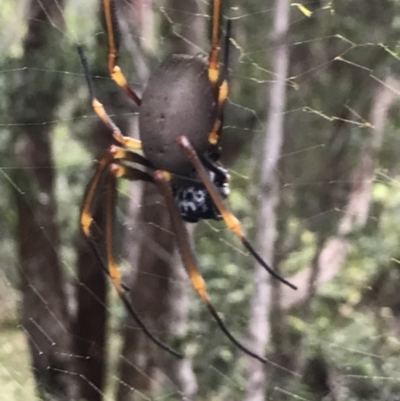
pixel 337 216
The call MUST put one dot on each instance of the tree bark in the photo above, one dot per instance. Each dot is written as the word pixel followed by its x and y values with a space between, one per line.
pixel 259 328
pixel 90 324
pixel 45 314
pixel 92 282
pixel 156 289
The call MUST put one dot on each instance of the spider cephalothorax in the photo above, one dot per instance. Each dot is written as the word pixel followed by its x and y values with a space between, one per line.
pixel 180 125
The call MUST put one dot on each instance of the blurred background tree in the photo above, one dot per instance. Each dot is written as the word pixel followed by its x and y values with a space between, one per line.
pixel 335 193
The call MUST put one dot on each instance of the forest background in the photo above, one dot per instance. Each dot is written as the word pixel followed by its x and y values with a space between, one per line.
pixel 311 142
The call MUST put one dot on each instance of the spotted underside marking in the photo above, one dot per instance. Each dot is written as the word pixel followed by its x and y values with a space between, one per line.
pixel 193 200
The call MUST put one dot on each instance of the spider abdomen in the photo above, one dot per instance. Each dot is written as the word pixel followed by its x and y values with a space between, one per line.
pixel 178 100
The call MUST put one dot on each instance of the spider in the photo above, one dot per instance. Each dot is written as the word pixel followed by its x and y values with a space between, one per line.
pixel 180 125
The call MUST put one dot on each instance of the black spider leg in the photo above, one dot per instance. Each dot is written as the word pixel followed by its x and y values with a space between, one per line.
pixel 99 109
pixel 230 219
pixel 110 266
pixel 113 157
pixel 221 174
pixel 214 151
pixel 113 39
pixel 162 180
pixel 224 75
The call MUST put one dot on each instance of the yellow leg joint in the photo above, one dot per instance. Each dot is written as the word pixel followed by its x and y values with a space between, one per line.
pixel 223 93
pixel 233 224
pixel 213 138
pixel 86 222
pixel 162 175
pixel 213 74
pixel 119 77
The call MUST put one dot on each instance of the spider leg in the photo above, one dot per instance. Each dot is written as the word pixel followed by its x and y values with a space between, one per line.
pixel 113 45
pixel 113 269
pixel 213 68
pixel 223 90
pixel 101 111
pixel 113 154
pixel 230 220
pixel 109 169
pixel 162 180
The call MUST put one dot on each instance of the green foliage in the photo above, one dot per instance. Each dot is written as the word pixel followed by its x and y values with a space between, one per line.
pixel 338 60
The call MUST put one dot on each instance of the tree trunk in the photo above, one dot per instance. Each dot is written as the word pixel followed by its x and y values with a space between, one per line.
pixel 91 286
pixel 45 315
pixel 91 291
pixel 334 252
pixel 259 328
pixel 157 266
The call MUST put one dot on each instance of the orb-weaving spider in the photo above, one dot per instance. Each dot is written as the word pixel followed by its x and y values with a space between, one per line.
pixel 180 124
